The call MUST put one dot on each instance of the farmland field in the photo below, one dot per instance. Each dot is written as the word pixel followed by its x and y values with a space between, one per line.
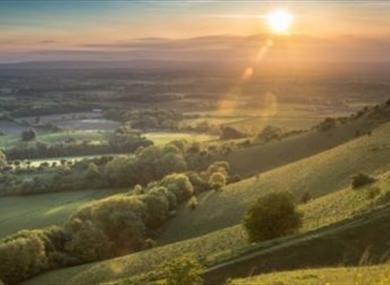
pixel 161 138
pixel 36 211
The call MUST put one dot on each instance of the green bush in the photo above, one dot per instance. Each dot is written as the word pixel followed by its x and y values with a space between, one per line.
pixel 183 270
pixel 22 258
pixel 193 203
pixel 118 223
pixel 361 179
pixel 217 180
pixel 93 172
pixel 88 242
pixel 272 216
pixel 179 184
pixel 28 253
pixel 157 204
pixel 28 135
pixel 3 159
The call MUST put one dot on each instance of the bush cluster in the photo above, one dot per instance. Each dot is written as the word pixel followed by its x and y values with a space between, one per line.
pixel 272 216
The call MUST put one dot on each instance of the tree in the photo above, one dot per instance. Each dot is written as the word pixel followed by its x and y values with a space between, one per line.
pixel 179 184
pixel 272 216
pixel 22 257
pixel 270 133
pixel 183 270
pixel 29 135
pixel 157 207
pixel 93 172
pixel 231 133
pixel 217 180
pixel 3 159
pixel 88 243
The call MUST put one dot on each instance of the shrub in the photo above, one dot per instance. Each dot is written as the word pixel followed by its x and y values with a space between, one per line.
pixel 92 172
pixel 183 270
pixel 28 135
pixel 217 180
pixel 361 180
pixel 193 203
pixel 179 184
pixel 22 258
pixel 327 124
pixel 88 242
pixel 28 253
pixel 231 133
pixel 118 219
pixel 200 185
pixel 218 166
pixel 157 205
pixel 306 197
pixel 270 133
pixel 373 192
pixel 3 159
pixel 272 216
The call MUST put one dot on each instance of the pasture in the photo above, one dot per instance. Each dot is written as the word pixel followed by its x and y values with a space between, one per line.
pixel 161 138
pixel 37 211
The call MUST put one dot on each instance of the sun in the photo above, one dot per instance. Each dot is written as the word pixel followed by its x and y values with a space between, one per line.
pixel 280 21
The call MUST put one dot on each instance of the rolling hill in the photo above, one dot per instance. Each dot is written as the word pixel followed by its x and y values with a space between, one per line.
pixel 228 243
pixel 320 174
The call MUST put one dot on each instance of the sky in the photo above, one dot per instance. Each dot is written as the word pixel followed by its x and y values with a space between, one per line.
pixel 28 26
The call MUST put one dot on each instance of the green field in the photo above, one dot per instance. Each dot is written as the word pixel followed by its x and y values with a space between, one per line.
pixel 36 211
pixel 96 137
pixel 161 138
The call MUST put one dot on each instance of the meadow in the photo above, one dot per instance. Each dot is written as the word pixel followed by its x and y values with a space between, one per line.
pixel 37 211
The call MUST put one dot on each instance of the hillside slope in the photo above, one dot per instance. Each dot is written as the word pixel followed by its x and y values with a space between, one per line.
pixel 263 157
pixel 344 243
pixel 223 244
pixel 320 174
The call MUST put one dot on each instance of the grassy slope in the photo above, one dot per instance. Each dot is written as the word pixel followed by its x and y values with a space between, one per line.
pixel 36 211
pixel 219 245
pixel 364 275
pixel 341 244
pixel 263 157
pixel 320 174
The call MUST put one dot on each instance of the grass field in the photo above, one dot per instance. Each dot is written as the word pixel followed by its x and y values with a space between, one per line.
pixel 95 136
pixel 36 211
pixel 161 138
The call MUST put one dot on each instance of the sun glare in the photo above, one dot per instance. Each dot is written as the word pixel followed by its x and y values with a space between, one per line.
pixel 280 21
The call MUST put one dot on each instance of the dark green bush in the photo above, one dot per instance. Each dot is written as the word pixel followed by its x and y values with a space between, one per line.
pixel 183 270
pixel 361 180
pixel 272 216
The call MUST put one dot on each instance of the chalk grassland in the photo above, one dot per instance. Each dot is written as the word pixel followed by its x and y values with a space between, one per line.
pixel 226 244
pixel 320 174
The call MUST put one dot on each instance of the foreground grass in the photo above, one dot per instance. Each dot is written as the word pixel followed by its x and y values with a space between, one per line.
pixel 36 211
pixel 363 275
